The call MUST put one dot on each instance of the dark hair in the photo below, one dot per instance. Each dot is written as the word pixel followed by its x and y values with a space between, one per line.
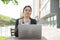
pixel 26 7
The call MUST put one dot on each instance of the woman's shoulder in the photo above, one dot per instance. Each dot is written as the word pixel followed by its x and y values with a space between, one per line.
pixel 18 19
pixel 33 19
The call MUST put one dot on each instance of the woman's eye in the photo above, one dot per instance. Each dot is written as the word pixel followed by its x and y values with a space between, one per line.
pixel 26 10
pixel 29 10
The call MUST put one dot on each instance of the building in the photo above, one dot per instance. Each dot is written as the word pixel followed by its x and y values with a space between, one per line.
pixel 50 12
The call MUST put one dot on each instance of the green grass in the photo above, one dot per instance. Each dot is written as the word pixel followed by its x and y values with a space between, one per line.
pixel 2 38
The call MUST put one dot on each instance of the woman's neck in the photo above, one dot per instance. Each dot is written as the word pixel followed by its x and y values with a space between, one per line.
pixel 27 17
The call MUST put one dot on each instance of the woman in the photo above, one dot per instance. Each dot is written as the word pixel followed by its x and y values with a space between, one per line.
pixel 27 10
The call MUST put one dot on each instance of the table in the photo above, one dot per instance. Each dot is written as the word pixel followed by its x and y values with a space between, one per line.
pixel 15 38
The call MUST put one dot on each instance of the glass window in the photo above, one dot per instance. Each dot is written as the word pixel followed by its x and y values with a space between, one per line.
pixel 48 20
pixel 43 12
pixel 55 21
pixel 48 6
pixel 52 20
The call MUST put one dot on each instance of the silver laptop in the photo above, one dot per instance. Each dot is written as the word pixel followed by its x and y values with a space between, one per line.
pixel 29 31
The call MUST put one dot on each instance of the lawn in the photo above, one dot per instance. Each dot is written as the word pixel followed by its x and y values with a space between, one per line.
pixel 2 38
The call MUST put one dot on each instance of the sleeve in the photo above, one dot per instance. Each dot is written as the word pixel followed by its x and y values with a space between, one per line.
pixel 33 21
pixel 16 28
pixel 16 23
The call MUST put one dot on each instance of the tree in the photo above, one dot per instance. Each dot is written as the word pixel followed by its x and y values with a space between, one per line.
pixel 7 1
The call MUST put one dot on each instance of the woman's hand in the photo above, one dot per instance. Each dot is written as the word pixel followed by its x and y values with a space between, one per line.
pixel 21 21
pixel 26 20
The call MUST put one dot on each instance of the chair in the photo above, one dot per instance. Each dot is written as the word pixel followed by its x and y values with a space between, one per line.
pixel 12 31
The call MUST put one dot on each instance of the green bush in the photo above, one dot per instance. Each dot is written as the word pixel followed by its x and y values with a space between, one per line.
pixel 5 20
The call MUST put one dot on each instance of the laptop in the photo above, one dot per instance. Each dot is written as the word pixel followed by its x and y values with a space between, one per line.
pixel 29 31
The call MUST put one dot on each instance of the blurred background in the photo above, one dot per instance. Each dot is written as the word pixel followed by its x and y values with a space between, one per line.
pixel 46 12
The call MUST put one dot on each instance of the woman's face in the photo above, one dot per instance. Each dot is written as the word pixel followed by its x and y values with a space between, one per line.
pixel 27 12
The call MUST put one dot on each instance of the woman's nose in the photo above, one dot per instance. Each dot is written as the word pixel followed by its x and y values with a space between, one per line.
pixel 27 11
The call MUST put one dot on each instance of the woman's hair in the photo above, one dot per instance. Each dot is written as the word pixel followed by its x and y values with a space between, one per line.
pixel 26 7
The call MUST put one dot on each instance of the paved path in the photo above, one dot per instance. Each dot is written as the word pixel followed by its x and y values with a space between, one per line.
pixel 51 33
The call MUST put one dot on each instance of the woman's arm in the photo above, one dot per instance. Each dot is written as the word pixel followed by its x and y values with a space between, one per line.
pixel 16 28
